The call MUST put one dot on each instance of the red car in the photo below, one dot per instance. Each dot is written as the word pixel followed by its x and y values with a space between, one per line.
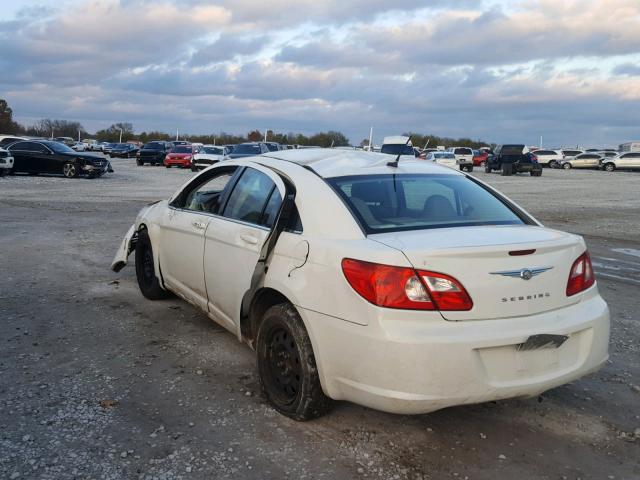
pixel 180 156
pixel 479 158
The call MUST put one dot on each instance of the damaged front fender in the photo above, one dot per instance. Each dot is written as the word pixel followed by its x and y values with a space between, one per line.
pixel 126 247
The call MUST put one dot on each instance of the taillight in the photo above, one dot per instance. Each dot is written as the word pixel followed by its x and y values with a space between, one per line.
pixel 581 275
pixel 405 288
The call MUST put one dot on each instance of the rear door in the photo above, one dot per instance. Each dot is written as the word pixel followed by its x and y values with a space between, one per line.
pixel 234 240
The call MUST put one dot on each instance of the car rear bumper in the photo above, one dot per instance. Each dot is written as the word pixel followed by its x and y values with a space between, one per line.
pixel 411 366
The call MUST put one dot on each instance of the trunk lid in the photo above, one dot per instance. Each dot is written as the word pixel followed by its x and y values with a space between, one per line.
pixel 478 257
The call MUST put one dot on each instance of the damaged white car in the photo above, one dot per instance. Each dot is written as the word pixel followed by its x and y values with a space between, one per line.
pixel 406 287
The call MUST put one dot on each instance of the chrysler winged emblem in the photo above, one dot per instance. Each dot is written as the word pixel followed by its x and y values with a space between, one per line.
pixel 523 273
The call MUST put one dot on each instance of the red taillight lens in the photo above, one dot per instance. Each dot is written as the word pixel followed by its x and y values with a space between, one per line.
pixel 581 275
pixel 446 292
pixel 404 288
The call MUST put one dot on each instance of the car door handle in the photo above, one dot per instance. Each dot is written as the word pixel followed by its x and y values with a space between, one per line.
pixel 249 239
pixel 199 225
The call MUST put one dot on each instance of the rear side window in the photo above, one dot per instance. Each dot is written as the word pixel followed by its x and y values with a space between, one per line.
pixel 390 203
pixel 249 197
pixel 396 148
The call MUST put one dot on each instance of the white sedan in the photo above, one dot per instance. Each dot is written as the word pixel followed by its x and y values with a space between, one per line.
pixel 447 159
pixel 208 155
pixel 403 287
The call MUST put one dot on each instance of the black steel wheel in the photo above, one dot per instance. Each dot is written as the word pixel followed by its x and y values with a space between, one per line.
pixel 145 269
pixel 287 366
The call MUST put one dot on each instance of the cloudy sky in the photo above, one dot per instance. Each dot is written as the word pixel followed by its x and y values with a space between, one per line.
pixel 503 71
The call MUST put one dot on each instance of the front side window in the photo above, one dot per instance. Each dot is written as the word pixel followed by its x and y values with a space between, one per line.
pixel 249 197
pixel 389 203
pixel 206 196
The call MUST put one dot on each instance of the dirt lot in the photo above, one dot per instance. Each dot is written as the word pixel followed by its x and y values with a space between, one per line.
pixel 97 382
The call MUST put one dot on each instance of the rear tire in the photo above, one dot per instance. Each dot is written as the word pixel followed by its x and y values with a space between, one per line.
pixel 168 166
pixel 140 163
pixel 507 169
pixel 287 367
pixel 609 167
pixel 487 168
pixel 567 166
pixel 470 168
pixel 145 269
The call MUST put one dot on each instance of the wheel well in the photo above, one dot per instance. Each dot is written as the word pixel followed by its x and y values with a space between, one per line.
pixel 262 301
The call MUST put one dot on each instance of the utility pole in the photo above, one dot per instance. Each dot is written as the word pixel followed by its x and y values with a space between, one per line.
pixel 265 134
pixel 78 134
pixel 120 135
pixel 176 134
pixel 371 139
pixel 540 142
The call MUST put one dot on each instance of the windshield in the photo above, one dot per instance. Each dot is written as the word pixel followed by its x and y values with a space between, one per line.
pixel 273 147
pixel 445 155
pixel 396 148
pixel 247 148
pixel 211 150
pixel 390 203
pixel 59 147
pixel 120 146
pixel 181 149
pixel 153 146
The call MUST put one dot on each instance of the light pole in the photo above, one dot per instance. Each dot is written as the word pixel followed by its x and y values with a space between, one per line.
pixel 120 135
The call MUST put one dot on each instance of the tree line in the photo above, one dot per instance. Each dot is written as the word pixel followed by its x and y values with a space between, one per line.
pixel 125 132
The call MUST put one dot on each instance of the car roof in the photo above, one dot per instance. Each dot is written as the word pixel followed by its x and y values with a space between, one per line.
pixel 328 162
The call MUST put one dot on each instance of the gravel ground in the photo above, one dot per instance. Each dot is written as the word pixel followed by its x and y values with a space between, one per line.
pixel 97 382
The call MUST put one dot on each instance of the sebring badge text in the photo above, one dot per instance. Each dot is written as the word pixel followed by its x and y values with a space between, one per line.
pixel 535 296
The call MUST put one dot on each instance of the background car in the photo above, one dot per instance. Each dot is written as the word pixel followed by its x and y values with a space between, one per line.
pixel 179 156
pixel 464 157
pixel 6 162
pixel 249 149
pixel 479 158
pixel 583 160
pixel 207 155
pixel 570 152
pixel 79 147
pixel 153 153
pixel 123 150
pixel 397 145
pixel 107 147
pixel 549 158
pixel 630 160
pixel 46 156
pixel 447 159
pixel 273 146
pixel 514 158
pixel 6 140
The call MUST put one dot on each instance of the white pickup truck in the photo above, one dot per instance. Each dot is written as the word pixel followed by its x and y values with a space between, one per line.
pixel 464 157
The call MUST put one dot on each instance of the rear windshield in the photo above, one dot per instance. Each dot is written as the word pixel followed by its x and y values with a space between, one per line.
pixel 181 149
pixel 396 148
pixel 462 151
pixel 247 148
pixel 153 146
pixel 390 203
pixel 512 149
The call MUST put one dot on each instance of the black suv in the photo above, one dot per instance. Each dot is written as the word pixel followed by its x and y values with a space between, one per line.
pixel 510 159
pixel 153 153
